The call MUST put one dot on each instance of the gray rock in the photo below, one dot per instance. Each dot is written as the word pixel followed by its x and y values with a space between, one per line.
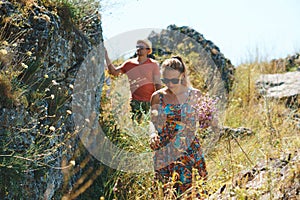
pixel 284 182
pixel 279 85
pixel 32 152
pixel 173 36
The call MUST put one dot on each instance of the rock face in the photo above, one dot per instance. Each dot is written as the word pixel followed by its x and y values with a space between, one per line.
pixel 187 40
pixel 286 64
pixel 281 86
pixel 37 134
pixel 283 82
pixel 284 184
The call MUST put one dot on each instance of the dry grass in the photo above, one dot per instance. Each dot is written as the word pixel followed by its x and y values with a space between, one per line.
pixel 275 132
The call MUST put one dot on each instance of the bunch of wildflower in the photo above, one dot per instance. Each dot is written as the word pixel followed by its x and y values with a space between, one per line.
pixel 205 108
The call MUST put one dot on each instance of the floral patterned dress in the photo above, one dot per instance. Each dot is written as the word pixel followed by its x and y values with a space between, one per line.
pixel 179 150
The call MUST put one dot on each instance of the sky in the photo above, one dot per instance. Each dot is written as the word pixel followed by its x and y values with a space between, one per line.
pixel 244 30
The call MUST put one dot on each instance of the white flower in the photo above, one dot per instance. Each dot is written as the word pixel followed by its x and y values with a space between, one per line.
pixel 52 96
pixel 24 65
pixel 71 86
pixel 154 113
pixel 52 128
pixel 69 112
pixel 72 162
pixel 54 82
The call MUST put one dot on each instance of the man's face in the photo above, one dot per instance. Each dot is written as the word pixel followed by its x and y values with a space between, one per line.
pixel 142 49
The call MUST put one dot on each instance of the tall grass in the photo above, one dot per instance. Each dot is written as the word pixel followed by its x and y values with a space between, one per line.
pixel 275 132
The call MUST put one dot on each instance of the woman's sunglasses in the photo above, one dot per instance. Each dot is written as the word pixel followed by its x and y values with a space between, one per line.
pixel 173 80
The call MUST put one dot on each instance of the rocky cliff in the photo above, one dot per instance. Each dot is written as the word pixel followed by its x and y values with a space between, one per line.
pixel 185 40
pixel 41 50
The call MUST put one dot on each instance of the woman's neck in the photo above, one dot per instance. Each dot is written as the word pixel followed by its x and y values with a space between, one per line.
pixel 177 97
pixel 180 90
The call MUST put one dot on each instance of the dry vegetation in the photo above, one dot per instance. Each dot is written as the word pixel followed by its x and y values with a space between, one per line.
pixel 276 135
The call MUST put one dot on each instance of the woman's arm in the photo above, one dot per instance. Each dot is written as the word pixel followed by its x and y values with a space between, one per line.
pixel 154 137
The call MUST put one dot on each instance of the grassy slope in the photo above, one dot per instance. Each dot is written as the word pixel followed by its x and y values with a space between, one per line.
pixel 275 133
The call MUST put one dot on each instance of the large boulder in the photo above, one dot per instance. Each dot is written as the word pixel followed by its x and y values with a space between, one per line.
pixel 189 40
pixel 280 86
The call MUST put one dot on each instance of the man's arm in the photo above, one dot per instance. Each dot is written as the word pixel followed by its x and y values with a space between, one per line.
pixel 111 68
pixel 157 86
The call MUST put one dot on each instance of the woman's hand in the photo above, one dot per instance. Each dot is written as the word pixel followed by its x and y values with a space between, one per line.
pixel 154 141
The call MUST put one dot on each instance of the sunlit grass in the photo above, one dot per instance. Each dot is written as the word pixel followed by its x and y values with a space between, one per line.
pixel 274 132
pixel 275 129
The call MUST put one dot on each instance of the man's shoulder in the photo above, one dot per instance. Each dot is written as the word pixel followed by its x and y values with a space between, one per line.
pixel 152 60
pixel 131 61
pixel 128 64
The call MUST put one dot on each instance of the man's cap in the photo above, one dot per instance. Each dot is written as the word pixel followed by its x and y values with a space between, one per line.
pixel 147 42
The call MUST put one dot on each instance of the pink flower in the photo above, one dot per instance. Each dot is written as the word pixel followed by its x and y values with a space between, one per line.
pixel 205 108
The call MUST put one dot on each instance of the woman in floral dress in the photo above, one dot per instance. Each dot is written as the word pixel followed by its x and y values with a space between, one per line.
pixel 174 123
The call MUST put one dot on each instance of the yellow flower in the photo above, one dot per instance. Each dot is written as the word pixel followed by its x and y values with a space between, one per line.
pixel 28 53
pixel 3 52
pixel 5 43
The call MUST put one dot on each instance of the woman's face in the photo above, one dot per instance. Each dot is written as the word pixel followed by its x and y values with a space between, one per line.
pixel 172 79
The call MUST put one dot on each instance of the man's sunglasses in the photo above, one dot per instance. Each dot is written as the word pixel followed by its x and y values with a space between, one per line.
pixel 173 80
pixel 141 47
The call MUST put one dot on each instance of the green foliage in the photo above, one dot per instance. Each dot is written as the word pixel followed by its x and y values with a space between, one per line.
pixel 7 95
pixel 76 11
